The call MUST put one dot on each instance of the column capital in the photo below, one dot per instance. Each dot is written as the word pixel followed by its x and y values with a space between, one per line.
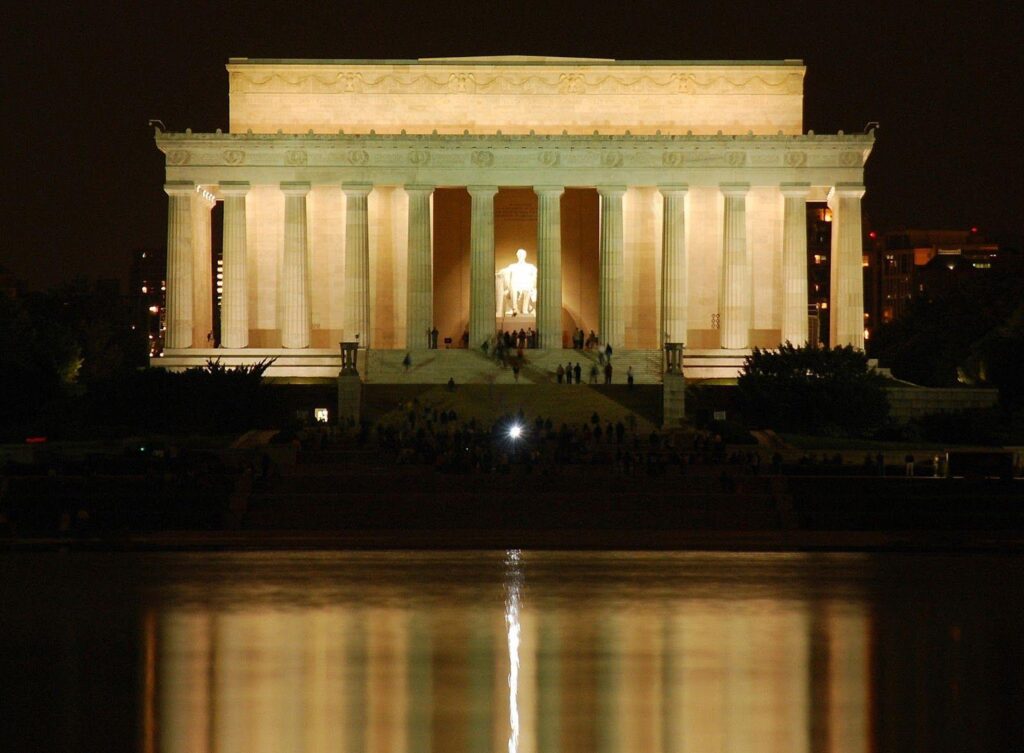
pixel 356 190
pixel 673 188
pixel 234 188
pixel 295 188
pixel 418 188
pixel 482 190
pixel 179 187
pixel 611 190
pixel 734 189
pixel 549 190
pixel 846 190
pixel 795 190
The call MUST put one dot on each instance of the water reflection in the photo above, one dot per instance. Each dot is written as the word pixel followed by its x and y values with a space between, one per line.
pixel 651 661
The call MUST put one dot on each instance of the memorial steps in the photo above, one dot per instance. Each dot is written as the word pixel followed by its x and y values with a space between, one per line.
pixel 465 366
pixel 572 404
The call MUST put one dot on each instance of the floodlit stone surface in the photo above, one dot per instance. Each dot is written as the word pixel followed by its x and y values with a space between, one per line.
pixel 515 95
pixel 423 177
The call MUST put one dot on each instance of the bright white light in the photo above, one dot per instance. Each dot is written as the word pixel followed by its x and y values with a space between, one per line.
pixel 516 431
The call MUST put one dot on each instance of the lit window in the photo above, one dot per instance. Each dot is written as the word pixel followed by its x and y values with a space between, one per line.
pixel 824 304
pixel 145 289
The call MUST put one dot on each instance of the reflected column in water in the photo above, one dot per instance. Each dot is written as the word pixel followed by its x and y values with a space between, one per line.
pixel 183 682
pixel 640 693
pixel 848 676
pixel 386 689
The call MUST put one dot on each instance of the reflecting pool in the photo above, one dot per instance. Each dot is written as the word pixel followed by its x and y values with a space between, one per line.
pixel 528 652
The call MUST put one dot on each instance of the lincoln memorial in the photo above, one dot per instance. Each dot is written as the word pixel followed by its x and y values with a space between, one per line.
pixel 372 201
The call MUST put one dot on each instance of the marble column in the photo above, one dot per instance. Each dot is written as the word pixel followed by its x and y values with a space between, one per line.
pixel 295 304
pixel 357 263
pixel 180 196
pixel 202 269
pixel 549 266
pixel 673 264
pixel 611 321
pixel 846 320
pixel 794 263
pixel 735 293
pixel 481 265
pixel 234 306
pixel 419 304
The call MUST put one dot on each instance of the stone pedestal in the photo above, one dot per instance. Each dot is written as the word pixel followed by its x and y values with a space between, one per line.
pixel 350 387
pixel 673 400
pixel 350 394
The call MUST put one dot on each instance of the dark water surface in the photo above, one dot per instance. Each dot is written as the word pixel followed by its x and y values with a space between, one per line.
pixel 508 651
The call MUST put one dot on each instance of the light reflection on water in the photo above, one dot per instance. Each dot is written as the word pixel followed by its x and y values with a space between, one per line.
pixel 621 665
pixel 522 651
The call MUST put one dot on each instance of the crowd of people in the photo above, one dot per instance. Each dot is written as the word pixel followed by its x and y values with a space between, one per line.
pixel 428 436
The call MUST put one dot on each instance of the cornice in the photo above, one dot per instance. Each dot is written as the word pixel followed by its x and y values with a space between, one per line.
pixel 513 151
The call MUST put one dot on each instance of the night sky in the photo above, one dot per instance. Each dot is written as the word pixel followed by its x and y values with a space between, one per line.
pixel 84 179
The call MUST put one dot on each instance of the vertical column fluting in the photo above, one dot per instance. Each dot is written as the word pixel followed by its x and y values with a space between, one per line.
pixel 611 322
pixel 735 293
pixel 794 263
pixel 673 264
pixel 357 263
pixel 481 265
pixel 419 306
pixel 234 306
pixel 846 321
pixel 202 268
pixel 549 266
pixel 180 196
pixel 295 303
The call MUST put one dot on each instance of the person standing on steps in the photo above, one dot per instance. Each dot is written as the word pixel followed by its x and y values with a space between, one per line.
pixel 407 361
pixel 578 372
pixel 568 373
pixel 629 377
pixel 559 373
pixel 608 372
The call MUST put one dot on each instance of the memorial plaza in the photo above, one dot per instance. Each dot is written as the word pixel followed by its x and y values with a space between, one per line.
pixel 417 207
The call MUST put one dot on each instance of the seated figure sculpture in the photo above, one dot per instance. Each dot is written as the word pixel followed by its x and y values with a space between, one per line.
pixel 516 288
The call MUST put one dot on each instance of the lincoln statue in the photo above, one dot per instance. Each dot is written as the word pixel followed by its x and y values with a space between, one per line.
pixel 516 288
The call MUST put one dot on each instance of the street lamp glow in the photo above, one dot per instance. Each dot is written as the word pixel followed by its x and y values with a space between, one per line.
pixel 515 431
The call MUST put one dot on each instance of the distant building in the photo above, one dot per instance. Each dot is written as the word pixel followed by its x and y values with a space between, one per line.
pixel 148 294
pixel 914 263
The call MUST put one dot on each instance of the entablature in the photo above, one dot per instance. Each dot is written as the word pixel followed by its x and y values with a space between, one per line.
pixel 516 160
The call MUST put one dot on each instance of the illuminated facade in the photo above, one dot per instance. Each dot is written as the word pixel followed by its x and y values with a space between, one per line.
pixel 374 200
